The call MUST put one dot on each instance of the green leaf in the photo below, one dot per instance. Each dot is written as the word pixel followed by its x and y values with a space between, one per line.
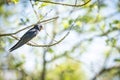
pixel 117 60
pixel 102 28
pixel 19 64
pixel 114 42
pixel 70 21
pixel 116 21
pixel 50 50
pixel 86 18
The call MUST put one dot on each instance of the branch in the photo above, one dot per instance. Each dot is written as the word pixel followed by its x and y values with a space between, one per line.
pixel 9 34
pixel 57 57
pixel 78 44
pixel 110 30
pixel 65 4
pixel 106 70
pixel 46 45
pixel 34 10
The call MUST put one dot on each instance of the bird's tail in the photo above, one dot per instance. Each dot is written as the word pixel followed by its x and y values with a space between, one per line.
pixel 13 48
pixel 17 45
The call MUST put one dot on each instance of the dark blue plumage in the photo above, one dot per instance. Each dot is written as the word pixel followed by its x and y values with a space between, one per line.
pixel 27 37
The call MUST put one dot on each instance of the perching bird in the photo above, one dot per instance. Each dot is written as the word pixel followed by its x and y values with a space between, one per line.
pixel 27 37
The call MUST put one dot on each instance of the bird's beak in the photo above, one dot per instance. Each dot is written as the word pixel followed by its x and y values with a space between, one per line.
pixel 41 28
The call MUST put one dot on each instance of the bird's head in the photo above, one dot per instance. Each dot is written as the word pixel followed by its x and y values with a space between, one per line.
pixel 39 27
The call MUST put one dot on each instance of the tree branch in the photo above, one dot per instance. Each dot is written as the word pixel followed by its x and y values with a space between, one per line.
pixel 34 10
pixel 110 30
pixel 57 57
pixel 106 70
pixel 43 73
pixel 38 45
pixel 65 4
pixel 9 34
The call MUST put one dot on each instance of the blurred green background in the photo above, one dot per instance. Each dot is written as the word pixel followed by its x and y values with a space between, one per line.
pixel 91 51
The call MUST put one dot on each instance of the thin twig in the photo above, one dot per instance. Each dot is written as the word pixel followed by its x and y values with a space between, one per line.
pixel 45 28
pixel 34 10
pixel 65 4
pixel 106 70
pixel 47 13
pixel 73 7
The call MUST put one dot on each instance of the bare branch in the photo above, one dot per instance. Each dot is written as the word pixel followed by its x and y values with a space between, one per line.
pixel 106 70
pixel 110 30
pixel 34 10
pixel 9 34
pixel 72 5
pixel 38 45
pixel 57 57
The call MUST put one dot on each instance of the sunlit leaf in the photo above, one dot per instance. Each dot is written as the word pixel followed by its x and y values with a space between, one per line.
pixel 44 4
pixel 107 52
pixel 15 1
pixel 98 18
pixel 65 24
pixel 41 16
pixel 78 23
pixel 102 27
pixel 87 5
pixel 36 2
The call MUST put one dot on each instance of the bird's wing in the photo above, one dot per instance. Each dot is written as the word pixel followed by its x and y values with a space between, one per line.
pixel 25 38
pixel 29 35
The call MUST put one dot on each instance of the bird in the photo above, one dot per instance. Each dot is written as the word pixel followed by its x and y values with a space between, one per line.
pixel 30 34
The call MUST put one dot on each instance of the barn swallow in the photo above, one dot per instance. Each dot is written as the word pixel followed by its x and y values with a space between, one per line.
pixel 30 34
